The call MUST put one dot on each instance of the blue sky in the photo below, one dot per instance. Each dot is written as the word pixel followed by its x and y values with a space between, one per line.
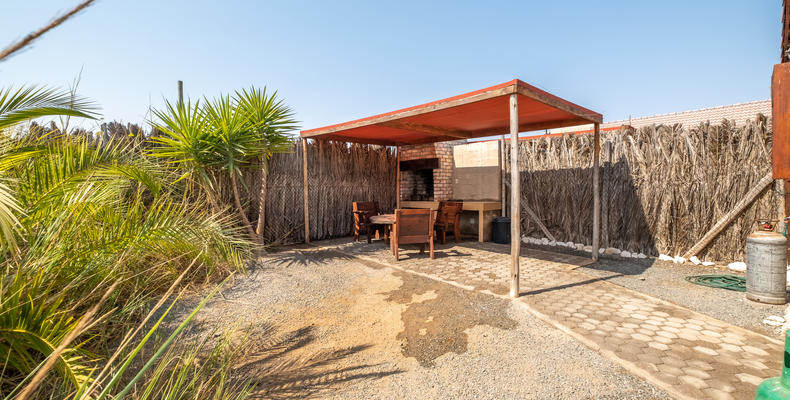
pixel 336 61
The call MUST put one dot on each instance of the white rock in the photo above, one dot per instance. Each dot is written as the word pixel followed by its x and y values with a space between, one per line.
pixel 570 244
pixel 774 320
pixel 544 241
pixel 664 257
pixel 601 251
pixel 737 266
pixel 641 255
pixel 678 260
pixel 552 243
pixel 525 239
pixel 625 253
pixel 588 248
pixel 579 246
pixel 708 263
pixel 694 260
pixel 612 251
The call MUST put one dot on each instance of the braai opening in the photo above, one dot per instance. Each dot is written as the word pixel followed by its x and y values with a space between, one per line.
pixel 419 175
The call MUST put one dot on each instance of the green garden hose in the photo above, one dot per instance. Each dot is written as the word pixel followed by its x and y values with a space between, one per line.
pixel 729 282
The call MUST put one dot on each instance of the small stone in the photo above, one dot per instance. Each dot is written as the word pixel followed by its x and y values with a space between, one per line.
pixel 708 263
pixel 612 251
pixel 625 253
pixel 694 260
pixel 678 260
pixel 641 255
pixel 737 266
pixel 774 320
pixel 664 257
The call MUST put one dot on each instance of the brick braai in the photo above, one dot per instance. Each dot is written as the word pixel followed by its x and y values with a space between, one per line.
pixel 442 176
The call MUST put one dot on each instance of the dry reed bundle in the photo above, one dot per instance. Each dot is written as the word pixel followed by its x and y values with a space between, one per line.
pixel 662 187
pixel 339 173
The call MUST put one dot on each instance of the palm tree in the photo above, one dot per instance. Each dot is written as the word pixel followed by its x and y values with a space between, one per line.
pixel 17 106
pixel 225 135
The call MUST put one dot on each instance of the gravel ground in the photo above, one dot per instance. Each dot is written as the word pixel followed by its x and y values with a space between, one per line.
pixel 323 325
pixel 667 281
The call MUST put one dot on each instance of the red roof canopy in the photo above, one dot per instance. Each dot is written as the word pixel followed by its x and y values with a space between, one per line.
pixel 484 112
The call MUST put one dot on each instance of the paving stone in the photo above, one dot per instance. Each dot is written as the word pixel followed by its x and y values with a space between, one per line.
pixel 695 355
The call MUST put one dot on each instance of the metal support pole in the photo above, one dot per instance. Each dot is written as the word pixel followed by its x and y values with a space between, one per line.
pixel 515 199
pixel 180 93
pixel 596 239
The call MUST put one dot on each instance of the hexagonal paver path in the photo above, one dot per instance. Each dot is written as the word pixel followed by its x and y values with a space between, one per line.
pixel 686 353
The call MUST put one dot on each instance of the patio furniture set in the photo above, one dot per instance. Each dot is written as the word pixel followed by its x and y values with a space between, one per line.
pixel 407 226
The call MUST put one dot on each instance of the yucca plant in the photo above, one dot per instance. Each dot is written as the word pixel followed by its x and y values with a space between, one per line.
pixel 224 136
pixel 272 121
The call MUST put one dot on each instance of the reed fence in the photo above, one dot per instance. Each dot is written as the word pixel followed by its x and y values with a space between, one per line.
pixel 338 174
pixel 662 187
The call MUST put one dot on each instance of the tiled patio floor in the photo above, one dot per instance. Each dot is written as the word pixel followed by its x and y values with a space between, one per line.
pixel 686 353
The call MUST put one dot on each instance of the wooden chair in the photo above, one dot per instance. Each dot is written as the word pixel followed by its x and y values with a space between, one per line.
pixel 413 227
pixel 363 210
pixel 449 217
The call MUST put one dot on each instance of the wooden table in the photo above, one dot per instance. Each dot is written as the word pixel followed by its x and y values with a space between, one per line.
pixel 387 221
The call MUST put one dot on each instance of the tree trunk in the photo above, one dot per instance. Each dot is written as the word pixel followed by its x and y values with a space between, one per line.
pixel 242 214
pixel 262 200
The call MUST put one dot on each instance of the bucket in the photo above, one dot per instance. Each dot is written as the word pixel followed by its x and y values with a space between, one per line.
pixel 766 267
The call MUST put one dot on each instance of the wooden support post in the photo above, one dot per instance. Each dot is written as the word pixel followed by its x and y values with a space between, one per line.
pixel 515 199
pixel 306 206
pixel 596 239
pixel 725 220
pixel 502 174
pixel 397 177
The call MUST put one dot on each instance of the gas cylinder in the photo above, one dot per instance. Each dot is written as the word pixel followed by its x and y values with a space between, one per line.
pixel 766 267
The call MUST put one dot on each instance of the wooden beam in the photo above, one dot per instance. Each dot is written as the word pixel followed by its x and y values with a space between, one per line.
pixel 348 139
pixel 535 219
pixel 596 184
pixel 515 199
pixel 410 112
pixel 535 126
pixel 306 203
pixel 429 129
pixel 549 99
pixel 397 177
pixel 725 220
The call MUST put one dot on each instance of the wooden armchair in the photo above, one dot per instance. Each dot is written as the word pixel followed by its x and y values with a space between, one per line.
pixel 449 217
pixel 413 227
pixel 363 210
